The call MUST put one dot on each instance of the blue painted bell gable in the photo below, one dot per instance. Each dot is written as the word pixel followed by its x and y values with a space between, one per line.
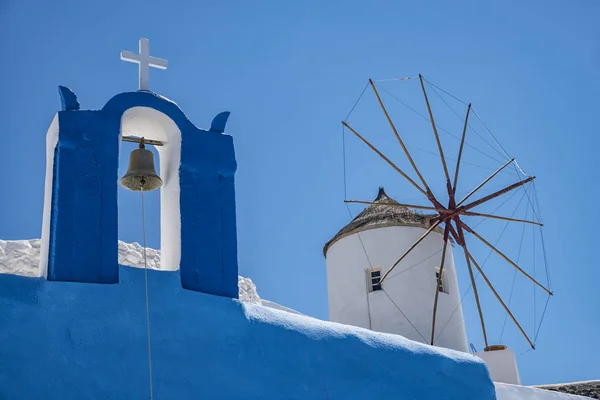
pixel 198 224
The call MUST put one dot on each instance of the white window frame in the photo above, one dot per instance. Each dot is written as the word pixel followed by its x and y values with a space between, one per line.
pixel 371 285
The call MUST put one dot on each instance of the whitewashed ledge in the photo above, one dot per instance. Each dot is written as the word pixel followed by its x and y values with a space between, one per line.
pixel 22 257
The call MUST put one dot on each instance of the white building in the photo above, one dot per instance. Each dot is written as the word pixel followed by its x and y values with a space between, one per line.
pixel 365 249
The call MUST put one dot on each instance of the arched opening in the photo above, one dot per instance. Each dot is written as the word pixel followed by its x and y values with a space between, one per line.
pixel 130 227
pixel 153 125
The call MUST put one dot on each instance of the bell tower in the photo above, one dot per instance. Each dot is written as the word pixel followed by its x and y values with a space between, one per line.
pixel 198 223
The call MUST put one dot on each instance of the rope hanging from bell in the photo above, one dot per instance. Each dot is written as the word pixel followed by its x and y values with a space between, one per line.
pixel 141 177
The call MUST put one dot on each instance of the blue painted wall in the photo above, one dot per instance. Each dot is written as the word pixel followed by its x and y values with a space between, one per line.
pixel 83 232
pixel 64 340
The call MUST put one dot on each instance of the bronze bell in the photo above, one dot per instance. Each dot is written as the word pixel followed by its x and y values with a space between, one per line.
pixel 141 173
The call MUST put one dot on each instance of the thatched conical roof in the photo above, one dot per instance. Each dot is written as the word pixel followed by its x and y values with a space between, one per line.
pixel 381 215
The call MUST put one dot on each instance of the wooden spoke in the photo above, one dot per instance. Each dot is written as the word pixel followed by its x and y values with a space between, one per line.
pixel 484 182
pixel 475 292
pixel 439 282
pixel 462 143
pixel 491 246
pixel 385 158
pixel 387 116
pixel 499 298
pixel 437 137
pixel 442 210
pixel 411 248
pixel 453 233
pixel 498 193
pixel 474 214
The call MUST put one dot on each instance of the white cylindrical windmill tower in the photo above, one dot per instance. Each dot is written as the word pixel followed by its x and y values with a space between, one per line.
pixel 361 252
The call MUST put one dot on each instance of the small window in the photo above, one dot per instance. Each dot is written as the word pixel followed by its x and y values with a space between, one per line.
pixel 374 279
pixel 440 282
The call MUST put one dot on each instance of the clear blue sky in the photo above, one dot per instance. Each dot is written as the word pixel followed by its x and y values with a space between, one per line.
pixel 289 73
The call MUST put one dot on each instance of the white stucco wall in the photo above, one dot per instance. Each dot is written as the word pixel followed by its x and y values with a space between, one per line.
pixel 412 291
pixel 502 365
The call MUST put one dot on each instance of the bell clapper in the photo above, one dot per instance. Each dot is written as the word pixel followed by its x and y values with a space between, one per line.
pixel 143 183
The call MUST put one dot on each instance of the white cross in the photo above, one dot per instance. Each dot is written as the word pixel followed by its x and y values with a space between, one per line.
pixel 145 62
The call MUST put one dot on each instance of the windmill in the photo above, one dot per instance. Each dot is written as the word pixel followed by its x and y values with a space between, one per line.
pixel 448 213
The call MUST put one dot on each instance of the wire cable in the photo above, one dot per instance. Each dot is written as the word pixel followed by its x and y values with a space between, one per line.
pixel 414 265
pixel 541 320
pixel 344 161
pixel 404 315
pixel 368 260
pixel 448 93
pixel 480 120
pixel 462 119
pixel 514 277
pixel 548 280
pixel 516 166
pixel 357 100
pixel 438 126
pixel 406 78
pixel 533 286
pixel 515 163
pixel 526 351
